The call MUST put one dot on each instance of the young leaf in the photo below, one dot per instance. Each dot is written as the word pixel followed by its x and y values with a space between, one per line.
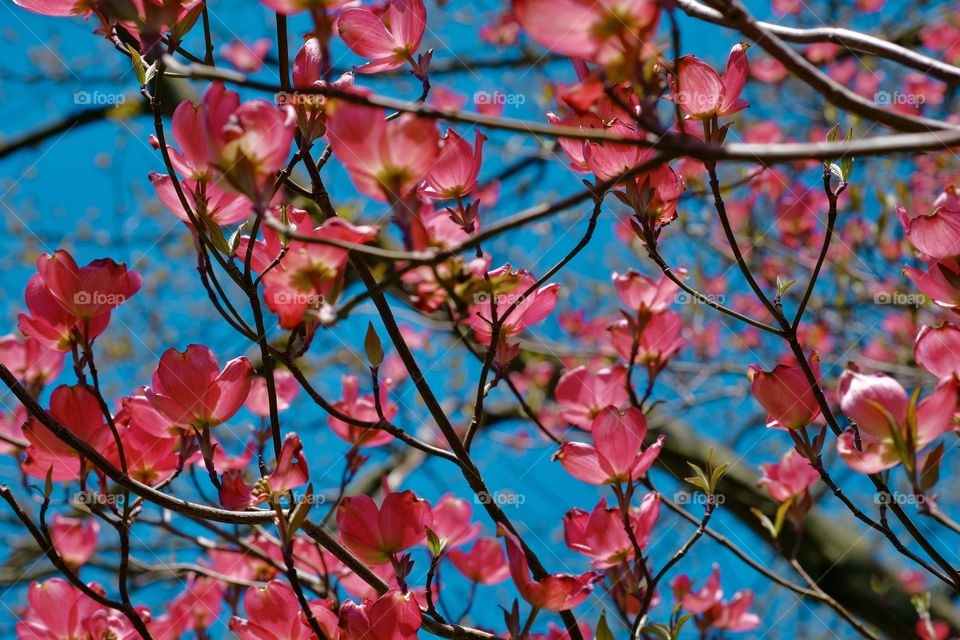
pixel 373 347
pixel 602 631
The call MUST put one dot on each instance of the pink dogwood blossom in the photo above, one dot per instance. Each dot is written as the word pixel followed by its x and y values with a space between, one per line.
pixel 617 454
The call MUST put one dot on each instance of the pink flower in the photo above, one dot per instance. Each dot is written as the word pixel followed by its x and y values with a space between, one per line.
pixel 643 295
pixel 557 591
pixel 511 287
pixel 309 70
pixel 786 395
pixel 609 160
pixel 29 360
pixel 11 426
pixel 601 535
pixel 882 412
pixel 501 31
pixel 296 6
pixel 286 385
pixel 54 7
pixel 709 605
pixel 791 477
pixel 658 340
pixel 292 470
pixel 235 494
pixel 78 410
pixel 192 159
pixel 455 173
pixel 150 442
pixel 274 612
pixel 768 70
pixel 451 521
pixel 207 201
pixel 385 159
pixel 368 36
pixel 190 390
pixel 702 93
pixel 937 350
pixel 942 35
pixel 576 149
pixel 932 629
pixel 941 282
pixel 244 57
pixel 59 611
pixel 617 455
pixel 90 291
pixel 63 298
pixel 374 535
pixel 50 323
pixel 484 563
pixel 249 142
pixel 196 607
pixel 936 234
pixel 74 539
pixel 362 408
pixel 586 29
pixel 582 394
pixel 392 616
pixel 310 274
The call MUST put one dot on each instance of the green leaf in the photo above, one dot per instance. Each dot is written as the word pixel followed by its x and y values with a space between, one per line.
pixel 373 347
pixel 602 631
pixel 782 511
pixel 235 237
pixel 215 233
pixel 435 543
pixel 48 484
pixel 138 66
pixel 931 468
pixel 784 286
pixel 765 522
pixel 300 512
pixel 833 133
pixel 659 630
